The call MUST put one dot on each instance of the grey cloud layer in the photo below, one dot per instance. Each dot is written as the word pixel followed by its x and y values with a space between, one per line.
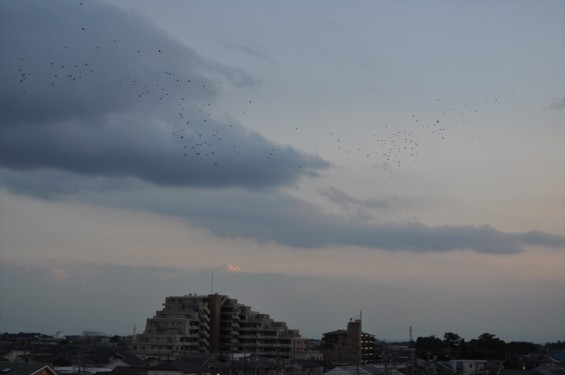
pixel 345 200
pixel 557 104
pixel 95 91
pixel 290 221
pixel 93 114
pixel 269 216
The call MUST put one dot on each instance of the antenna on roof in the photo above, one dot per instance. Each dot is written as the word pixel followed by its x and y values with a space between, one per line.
pixel 212 286
pixel 412 348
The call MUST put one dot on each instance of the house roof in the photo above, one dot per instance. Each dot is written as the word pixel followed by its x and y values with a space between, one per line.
pixel 253 362
pixel 546 369
pixel 182 366
pixel 52 359
pixel 347 370
pixel 130 359
pixel 306 363
pixel 12 368
pixel 126 370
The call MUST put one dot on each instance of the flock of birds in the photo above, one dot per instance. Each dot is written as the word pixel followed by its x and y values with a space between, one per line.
pixel 401 146
pixel 199 135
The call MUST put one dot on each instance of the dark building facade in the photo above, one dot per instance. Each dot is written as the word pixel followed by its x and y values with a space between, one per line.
pixel 349 347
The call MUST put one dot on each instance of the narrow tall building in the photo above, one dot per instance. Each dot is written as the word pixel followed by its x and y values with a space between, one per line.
pixel 212 324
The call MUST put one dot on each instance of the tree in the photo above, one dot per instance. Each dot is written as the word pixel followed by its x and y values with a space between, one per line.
pixel 426 346
pixel 452 343
pixel 488 346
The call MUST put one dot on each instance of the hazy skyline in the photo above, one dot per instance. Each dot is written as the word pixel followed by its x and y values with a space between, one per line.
pixel 404 159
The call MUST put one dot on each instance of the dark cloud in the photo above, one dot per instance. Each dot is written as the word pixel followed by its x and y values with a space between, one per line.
pixel 269 216
pixel 56 184
pixel 127 145
pixel 345 200
pixel 557 104
pixel 289 221
pixel 536 237
pixel 93 90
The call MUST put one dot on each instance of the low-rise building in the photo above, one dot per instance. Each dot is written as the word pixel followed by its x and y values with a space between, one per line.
pixel 469 366
pixel 12 368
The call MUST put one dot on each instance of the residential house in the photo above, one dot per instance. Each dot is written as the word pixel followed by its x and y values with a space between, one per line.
pixel 14 368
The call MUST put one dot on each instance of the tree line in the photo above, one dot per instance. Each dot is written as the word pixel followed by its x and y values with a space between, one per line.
pixel 487 346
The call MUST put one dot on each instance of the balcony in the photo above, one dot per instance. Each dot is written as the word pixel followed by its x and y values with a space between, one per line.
pixel 204 333
pixel 204 317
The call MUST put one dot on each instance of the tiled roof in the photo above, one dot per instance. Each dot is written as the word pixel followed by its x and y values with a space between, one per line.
pixel 182 366
pixel 347 370
pixel 11 368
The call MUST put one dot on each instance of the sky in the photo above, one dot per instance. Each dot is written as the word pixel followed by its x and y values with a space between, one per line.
pixel 315 160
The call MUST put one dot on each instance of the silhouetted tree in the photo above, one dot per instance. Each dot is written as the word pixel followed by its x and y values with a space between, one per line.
pixel 452 343
pixel 513 362
pixel 487 346
pixel 521 348
pixel 431 345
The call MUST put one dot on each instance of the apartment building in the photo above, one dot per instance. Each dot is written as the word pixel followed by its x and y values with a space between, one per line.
pixel 348 347
pixel 212 324
pixel 181 327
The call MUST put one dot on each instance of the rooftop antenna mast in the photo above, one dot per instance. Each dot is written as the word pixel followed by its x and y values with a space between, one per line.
pixel 212 286
pixel 360 354
pixel 412 348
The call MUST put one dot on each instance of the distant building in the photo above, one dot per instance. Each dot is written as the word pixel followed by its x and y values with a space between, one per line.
pixel 348 347
pixel 212 324
pixel 305 367
pixel 468 367
pixel 300 344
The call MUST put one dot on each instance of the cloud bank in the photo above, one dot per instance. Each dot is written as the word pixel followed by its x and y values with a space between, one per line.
pixel 557 104
pixel 103 93
pixel 267 216
pixel 108 109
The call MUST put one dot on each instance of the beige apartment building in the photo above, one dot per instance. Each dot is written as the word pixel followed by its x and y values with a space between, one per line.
pixel 212 324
